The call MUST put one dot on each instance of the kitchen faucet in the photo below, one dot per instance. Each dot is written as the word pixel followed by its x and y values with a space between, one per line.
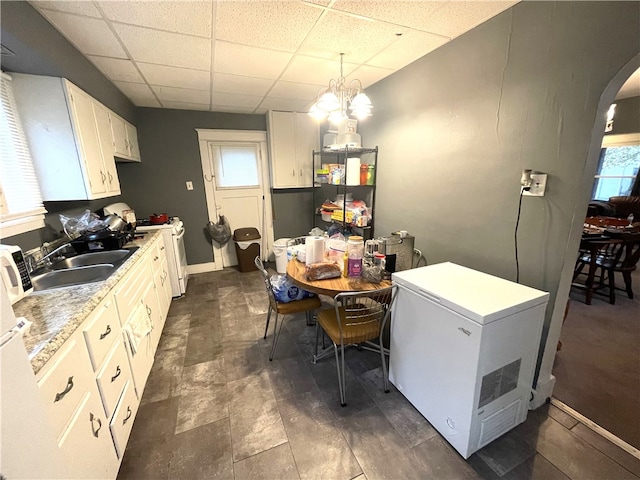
pixel 34 264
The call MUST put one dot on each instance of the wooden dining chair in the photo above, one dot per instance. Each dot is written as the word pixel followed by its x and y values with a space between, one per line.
pixel 358 318
pixel 306 305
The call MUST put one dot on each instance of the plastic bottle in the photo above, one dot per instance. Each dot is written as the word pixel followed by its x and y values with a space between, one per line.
pixel 364 171
pixel 355 252
pixel 370 174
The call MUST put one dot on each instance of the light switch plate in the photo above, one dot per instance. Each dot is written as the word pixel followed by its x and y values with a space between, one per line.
pixel 538 185
pixel 189 185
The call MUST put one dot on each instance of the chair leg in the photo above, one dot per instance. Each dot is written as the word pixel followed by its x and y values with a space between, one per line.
pixel 612 287
pixel 268 318
pixel 385 373
pixel 340 370
pixel 627 283
pixel 276 334
pixel 315 355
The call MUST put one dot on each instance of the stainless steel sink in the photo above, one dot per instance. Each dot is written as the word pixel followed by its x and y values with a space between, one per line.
pixel 81 269
pixel 94 258
pixel 73 276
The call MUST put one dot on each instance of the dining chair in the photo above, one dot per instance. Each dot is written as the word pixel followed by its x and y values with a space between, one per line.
pixel 357 318
pixel 306 305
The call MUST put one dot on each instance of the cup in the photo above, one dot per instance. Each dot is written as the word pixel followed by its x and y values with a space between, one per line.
pixel 403 233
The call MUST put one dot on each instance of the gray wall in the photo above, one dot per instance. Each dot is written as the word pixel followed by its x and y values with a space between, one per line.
pixel 456 128
pixel 627 117
pixel 171 156
pixel 41 50
pixel 292 211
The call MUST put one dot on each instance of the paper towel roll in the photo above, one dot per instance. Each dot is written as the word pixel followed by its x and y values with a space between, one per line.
pixel 353 171
pixel 314 250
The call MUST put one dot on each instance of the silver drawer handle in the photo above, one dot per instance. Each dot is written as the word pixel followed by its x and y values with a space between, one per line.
pixel 118 372
pixel 106 332
pixel 60 396
pixel 129 413
pixel 92 417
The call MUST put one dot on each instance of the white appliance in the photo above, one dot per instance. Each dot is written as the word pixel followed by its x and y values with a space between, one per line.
pixel 173 235
pixel 28 444
pixel 464 346
pixel 14 273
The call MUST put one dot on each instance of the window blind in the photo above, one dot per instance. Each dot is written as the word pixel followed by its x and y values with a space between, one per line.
pixel 21 207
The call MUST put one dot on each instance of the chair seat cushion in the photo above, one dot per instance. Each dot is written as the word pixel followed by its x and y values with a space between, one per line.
pixel 351 333
pixel 312 303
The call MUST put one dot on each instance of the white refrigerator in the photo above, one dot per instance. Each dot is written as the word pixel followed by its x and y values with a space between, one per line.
pixel 464 346
pixel 28 446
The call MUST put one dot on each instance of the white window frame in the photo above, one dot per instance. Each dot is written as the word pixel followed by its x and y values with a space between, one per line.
pixel 21 221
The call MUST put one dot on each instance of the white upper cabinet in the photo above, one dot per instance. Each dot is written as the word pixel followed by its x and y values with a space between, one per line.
pixel 292 139
pixel 125 139
pixel 70 143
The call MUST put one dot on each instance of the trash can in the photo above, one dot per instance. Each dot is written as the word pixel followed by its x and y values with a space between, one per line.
pixel 280 251
pixel 247 241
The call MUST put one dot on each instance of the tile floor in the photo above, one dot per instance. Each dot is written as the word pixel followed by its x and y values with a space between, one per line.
pixel 215 408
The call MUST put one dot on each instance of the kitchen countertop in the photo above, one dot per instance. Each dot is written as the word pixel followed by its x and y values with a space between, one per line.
pixel 58 312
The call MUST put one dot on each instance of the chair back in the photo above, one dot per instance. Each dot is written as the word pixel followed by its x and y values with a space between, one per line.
pixel 631 255
pixel 267 281
pixel 364 312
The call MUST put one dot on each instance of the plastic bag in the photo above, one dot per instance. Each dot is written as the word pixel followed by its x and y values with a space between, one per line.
pixel 285 291
pixel 220 232
pixel 86 222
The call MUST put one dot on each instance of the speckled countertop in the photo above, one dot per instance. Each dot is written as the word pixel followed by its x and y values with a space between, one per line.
pixel 57 313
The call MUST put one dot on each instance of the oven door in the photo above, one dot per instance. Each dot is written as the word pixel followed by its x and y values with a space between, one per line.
pixel 181 259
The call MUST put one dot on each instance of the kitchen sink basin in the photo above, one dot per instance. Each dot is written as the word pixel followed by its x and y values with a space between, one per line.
pixel 72 276
pixel 94 258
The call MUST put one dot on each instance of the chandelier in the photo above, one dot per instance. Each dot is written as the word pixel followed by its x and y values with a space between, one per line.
pixel 335 101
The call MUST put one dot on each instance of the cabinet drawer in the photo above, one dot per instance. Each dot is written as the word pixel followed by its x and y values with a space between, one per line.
pixel 122 420
pixel 129 293
pixel 87 442
pixel 112 377
pixel 65 382
pixel 101 331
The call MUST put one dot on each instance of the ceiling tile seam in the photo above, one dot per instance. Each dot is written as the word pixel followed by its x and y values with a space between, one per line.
pixel 213 52
pixel 126 51
pixel 318 20
pixel 189 69
pixel 53 10
pixel 117 22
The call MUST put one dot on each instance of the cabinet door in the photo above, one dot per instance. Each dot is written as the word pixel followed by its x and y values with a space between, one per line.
pixel 88 141
pixel 103 125
pixel 284 168
pixel 119 135
pixel 132 142
pixel 307 140
pixel 101 330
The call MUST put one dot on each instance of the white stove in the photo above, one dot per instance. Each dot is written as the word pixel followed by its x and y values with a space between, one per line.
pixel 173 235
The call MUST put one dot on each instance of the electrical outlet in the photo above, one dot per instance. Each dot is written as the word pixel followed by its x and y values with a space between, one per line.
pixel 189 185
pixel 538 185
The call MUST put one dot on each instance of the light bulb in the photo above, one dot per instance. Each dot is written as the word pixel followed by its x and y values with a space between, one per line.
pixel 328 102
pixel 317 113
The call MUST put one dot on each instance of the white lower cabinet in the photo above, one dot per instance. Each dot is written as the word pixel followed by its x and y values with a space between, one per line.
pixel 91 387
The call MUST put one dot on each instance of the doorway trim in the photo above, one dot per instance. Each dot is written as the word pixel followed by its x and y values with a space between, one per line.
pixel 546 381
pixel 205 136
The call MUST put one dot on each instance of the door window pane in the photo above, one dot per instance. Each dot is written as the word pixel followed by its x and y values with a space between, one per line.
pixel 236 166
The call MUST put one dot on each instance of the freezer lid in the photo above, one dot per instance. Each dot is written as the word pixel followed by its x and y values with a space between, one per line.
pixel 479 296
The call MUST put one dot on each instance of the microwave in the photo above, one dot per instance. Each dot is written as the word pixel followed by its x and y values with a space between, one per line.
pixel 14 273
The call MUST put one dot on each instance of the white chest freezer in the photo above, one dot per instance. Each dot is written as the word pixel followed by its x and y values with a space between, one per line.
pixel 464 346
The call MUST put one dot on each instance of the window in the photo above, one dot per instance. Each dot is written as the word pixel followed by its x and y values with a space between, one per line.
pixel 617 170
pixel 21 208
pixel 236 166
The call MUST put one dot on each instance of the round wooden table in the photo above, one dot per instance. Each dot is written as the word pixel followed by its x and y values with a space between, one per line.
pixel 330 286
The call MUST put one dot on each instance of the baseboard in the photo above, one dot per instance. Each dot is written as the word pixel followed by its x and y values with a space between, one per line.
pixel 596 428
pixel 202 268
pixel 542 392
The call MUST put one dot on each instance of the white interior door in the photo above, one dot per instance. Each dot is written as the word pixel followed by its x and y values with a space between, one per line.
pixel 237 186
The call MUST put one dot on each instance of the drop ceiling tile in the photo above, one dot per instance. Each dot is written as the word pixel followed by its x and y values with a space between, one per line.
pixel 228 109
pixel 89 35
pixel 314 70
pixel 232 99
pixel 359 38
pixel 117 69
pixel 79 8
pixel 369 75
pixel 408 48
pixel 285 104
pixel 175 76
pixel 140 94
pixel 223 82
pixel 185 105
pixel 276 25
pixel 173 94
pixel 249 61
pixel 190 17
pixel 414 14
pixel 455 18
pixel 299 91
pixel 153 46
